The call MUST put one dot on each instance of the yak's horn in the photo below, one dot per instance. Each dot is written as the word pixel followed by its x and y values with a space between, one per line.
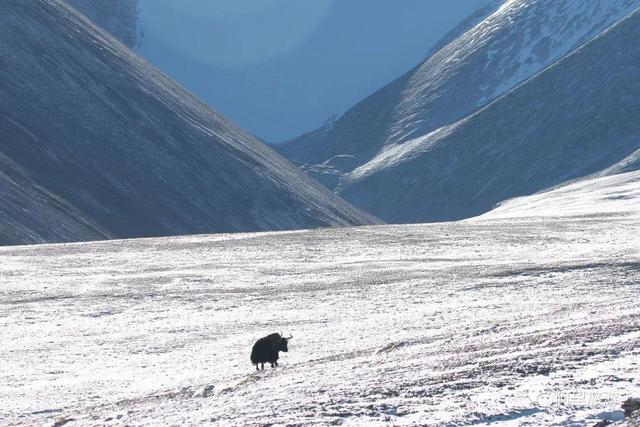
pixel 289 337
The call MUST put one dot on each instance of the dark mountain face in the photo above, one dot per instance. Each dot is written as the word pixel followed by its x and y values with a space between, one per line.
pixel 579 117
pixel 96 143
pixel 118 17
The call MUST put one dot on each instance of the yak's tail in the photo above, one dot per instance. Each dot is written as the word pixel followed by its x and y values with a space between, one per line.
pixel 254 356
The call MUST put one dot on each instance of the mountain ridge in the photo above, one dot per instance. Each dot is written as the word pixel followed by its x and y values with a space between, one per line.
pixel 118 17
pixel 106 146
pixel 540 134
pixel 516 40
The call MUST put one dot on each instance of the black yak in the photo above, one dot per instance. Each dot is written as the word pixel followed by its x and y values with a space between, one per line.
pixel 266 349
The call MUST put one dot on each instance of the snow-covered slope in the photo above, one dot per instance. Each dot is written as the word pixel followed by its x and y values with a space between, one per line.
pixel 507 322
pixel 576 118
pixel 517 40
pixel 96 143
pixel 612 194
pixel 118 17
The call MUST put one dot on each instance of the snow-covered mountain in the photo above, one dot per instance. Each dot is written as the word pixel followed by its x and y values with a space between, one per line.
pixel 118 17
pixel 576 118
pixel 96 143
pixel 517 40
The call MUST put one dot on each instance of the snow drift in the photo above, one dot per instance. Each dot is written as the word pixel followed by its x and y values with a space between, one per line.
pixel 614 194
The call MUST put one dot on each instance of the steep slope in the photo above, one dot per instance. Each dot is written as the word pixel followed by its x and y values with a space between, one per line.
pixel 297 150
pixel 484 10
pixel 517 40
pixel 629 163
pixel 96 143
pixel 574 119
pixel 371 115
pixel 118 17
pixel 299 62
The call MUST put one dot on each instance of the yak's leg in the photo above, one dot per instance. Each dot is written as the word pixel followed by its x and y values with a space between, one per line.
pixel 272 365
pixel 263 366
pixel 257 369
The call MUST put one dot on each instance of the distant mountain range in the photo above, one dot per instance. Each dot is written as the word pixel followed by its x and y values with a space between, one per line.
pixel 96 143
pixel 524 95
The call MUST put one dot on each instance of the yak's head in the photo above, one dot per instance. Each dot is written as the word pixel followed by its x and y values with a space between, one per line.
pixel 284 342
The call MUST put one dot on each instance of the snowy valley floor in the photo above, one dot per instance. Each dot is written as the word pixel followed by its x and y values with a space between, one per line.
pixel 504 321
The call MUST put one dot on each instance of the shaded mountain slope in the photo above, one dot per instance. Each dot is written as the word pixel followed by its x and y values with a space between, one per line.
pixel 118 17
pixel 96 143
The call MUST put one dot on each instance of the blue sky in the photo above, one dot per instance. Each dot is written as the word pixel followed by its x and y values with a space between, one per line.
pixel 281 67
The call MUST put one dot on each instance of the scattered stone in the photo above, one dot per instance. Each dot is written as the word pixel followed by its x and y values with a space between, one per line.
pixel 62 421
pixel 603 423
pixel 630 406
pixel 543 370
pixel 46 411
pixel 206 391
